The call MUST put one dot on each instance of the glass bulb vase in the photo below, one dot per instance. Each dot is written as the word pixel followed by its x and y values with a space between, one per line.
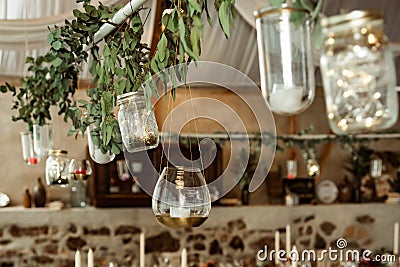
pixel 181 198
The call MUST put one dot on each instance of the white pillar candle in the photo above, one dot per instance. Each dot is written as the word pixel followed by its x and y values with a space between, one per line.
pixel 288 241
pixel 141 250
pixel 276 247
pixel 77 259
pixel 286 100
pixel 90 258
pixel 184 258
pixel 294 260
pixel 396 239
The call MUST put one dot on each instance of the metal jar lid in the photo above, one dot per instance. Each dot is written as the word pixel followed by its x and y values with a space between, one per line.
pixel 131 95
pixel 268 10
pixel 354 19
pixel 57 152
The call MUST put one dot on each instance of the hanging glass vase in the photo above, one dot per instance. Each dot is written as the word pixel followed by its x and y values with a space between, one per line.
pixel 27 149
pixel 181 197
pixel 95 152
pixel 358 73
pixel 42 139
pixel 137 122
pixel 285 59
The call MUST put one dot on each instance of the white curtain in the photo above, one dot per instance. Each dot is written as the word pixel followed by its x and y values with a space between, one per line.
pixel 23 30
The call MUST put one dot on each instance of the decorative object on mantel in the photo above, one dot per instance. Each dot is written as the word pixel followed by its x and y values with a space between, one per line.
pixel 39 194
pixel 291 167
pixel 358 73
pixel 285 57
pixel 120 67
pixel 4 200
pixel 27 198
pixel 327 191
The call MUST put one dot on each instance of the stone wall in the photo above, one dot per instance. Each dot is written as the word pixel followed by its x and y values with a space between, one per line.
pixel 43 237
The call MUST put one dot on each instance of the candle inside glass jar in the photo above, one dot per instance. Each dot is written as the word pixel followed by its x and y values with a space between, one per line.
pixel 284 99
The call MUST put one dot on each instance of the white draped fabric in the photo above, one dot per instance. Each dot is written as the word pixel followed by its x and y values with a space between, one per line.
pixel 23 30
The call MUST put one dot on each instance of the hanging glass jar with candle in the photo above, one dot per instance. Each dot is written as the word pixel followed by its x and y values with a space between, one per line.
pixel 42 139
pixel 27 149
pixel 181 197
pixel 285 58
pixel 358 73
pixel 137 122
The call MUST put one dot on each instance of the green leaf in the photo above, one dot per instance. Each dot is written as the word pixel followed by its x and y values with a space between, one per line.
pixel 276 3
pixel 77 13
pixel 224 17
pixel 182 36
pixel 198 22
pixel 115 149
pixel 161 47
pixel 56 45
pixel 317 9
pixel 50 38
pixel 316 35
pixel 136 23
pixel 57 62
pixel 195 40
pixel 307 4
pixel 168 20
pixel 194 6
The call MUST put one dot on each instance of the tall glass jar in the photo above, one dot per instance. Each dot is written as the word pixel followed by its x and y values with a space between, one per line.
pixel 57 168
pixel 42 139
pixel 285 59
pixel 358 73
pixel 137 122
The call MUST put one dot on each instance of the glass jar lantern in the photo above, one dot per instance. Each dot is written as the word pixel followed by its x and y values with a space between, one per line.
pixel 42 139
pixel 285 59
pixel 137 122
pixel 57 168
pixel 181 197
pixel 358 73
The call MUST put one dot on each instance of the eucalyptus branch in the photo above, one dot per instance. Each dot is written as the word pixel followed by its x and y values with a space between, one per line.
pixel 121 66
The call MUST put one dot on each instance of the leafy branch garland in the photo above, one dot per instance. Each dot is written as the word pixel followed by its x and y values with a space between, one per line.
pixel 121 66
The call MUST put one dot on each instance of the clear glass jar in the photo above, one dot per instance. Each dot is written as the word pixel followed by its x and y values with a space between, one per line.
pixel 95 152
pixel 181 197
pixel 137 122
pixel 358 73
pixel 57 168
pixel 285 59
pixel 42 139
pixel 27 149
pixel 78 194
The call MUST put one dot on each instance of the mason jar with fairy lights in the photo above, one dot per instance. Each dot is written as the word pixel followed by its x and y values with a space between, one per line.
pixel 57 164
pixel 137 122
pixel 358 73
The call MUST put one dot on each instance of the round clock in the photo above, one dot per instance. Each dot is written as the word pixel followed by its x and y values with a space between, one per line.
pixel 327 191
